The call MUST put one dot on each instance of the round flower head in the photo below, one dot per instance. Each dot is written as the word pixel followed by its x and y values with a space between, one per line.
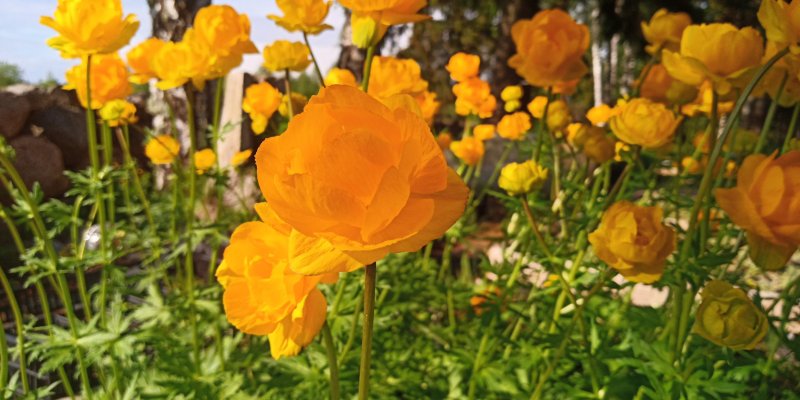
pixel 514 126
pixel 644 123
pixel 204 160
pixel 178 63
pixel 162 149
pixel 522 178
pixel 513 92
pixel 781 22
pixel 140 59
pixel 718 52
pixel 483 131
pixel 261 100
pixel 766 203
pixel 225 36
pixel 664 30
pixel 599 115
pixel 118 112
pixel 241 157
pixel 463 66
pixel 283 54
pixel 89 27
pixel 367 178
pixel 633 240
pixel 444 140
pixel 109 78
pixel 469 150
pixel 340 76
pixel 474 96
pixel 727 317
pixel 370 19
pixel 550 48
pixel 307 16
pixel 391 76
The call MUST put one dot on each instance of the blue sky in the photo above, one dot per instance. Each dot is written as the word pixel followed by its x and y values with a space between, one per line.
pixel 23 39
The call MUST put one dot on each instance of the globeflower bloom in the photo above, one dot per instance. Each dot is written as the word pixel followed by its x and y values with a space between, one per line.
pixel 204 160
pixel 633 240
pixel 550 48
pixel 469 150
pixel 364 177
pixel 89 27
pixel 463 66
pixel 428 105
pixel 765 203
pixel 261 100
pixel 664 30
pixel 483 131
pixel 178 63
pixel 307 16
pixel 283 54
pixel 109 80
pixel 241 157
pixel 298 101
pixel 225 36
pixel 599 115
pixel 514 126
pixel 140 59
pixel 474 96
pixel 727 317
pixel 340 76
pixel 781 22
pixel 718 52
pixel 299 328
pixel 370 18
pixel 522 178
pixel 644 123
pixel 511 96
pixel 391 76
pixel 592 140
pixel 118 112
pixel 162 149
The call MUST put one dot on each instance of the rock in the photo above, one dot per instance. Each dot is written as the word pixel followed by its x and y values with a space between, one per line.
pixel 65 128
pixel 14 110
pixel 43 97
pixel 39 160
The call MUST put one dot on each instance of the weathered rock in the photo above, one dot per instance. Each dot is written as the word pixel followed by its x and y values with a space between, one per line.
pixel 42 97
pixel 65 128
pixel 39 160
pixel 14 110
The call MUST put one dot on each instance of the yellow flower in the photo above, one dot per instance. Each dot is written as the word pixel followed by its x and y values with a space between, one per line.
pixel 619 149
pixel 513 92
pixel 558 116
pixel 522 178
pixel 766 204
pixel 474 96
pixel 511 106
pixel 204 160
pixel 727 317
pixel 367 178
pixel 483 131
pixel 88 27
pixel 550 48
pixel 633 240
pixel 787 67
pixel 241 157
pixel 298 104
pixel 225 36
pixel 444 139
pixel 261 100
pixel 391 76
pixel 371 18
pixel 781 22
pixel 592 140
pixel 283 54
pixel 428 105
pixel 599 115
pixel 691 165
pixel 656 84
pixel 140 59
pixel 178 63
pixel 703 102
pixel 514 126
pixel 644 123
pixel 109 80
pixel 469 150
pixel 536 106
pixel 303 15
pixel 118 112
pixel 299 328
pixel 162 149
pixel 463 66
pixel 340 76
pixel 717 52
pixel 664 30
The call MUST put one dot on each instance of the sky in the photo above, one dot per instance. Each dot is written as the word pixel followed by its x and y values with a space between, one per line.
pixel 22 38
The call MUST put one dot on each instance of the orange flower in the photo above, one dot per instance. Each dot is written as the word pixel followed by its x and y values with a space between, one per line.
pixel 366 178
pixel 391 76
pixel 109 80
pixel 204 160
pixel 642 122
pixel 283 54
pixel 428 105
pixel 664 30
pixel 303 15
pixel 474 96
pixel 766 204
pixel 371 18
pixel 469 150
pixel 299 328
pixel 514 126
pixel 241 157
pixel 599 115
pixel 88 27
pixel 162 149
pixel 463 66
pixel 140 59
pixel 483 131
pixel 178 63
pixel 340 76
pixel 261 100
pixel 550 48
pixel 225 36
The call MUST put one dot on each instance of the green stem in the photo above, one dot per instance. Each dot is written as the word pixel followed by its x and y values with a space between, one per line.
pixel 288 86
pixel 189 263
pixel 573 271
pixel 351 337
pixel 366 338
pixel 314 59
pixel 540 128
pixel 535 227
pixel 333 365
pixel 12 302
pixel 137 184
pixel 792 128
pixel 367 68
pixel 476 365
pixel 773 108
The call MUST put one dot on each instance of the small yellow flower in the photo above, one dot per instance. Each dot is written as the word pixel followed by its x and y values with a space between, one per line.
pixel 727 317
pixel 469 150
pixel 444 140
pixel 514 126
pixel 178 63
pixel 89 27
pixel 162 149
pixel 118 112
pixel 664 30
pixel 109 80
pixel 522 178
pixel 299 102
pixel 599 115
pixel 620 148
pixel 283 54
pixel 558 116
pixel 483 131
pixel 510 93
pixel 261 100
pixel 340 76
pixel 204 160
pixel 474 96
pixel 140 59
pixel 303 15
pixel 644 123
pixel 463 66
pixel 592 140
pixel 691 165
pixel 536 106
pixel 241 157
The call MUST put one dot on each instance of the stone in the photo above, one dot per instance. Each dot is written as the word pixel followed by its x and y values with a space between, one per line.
pixel 66 128
pixel 14 110
pixel 42 97
pixel 39 160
